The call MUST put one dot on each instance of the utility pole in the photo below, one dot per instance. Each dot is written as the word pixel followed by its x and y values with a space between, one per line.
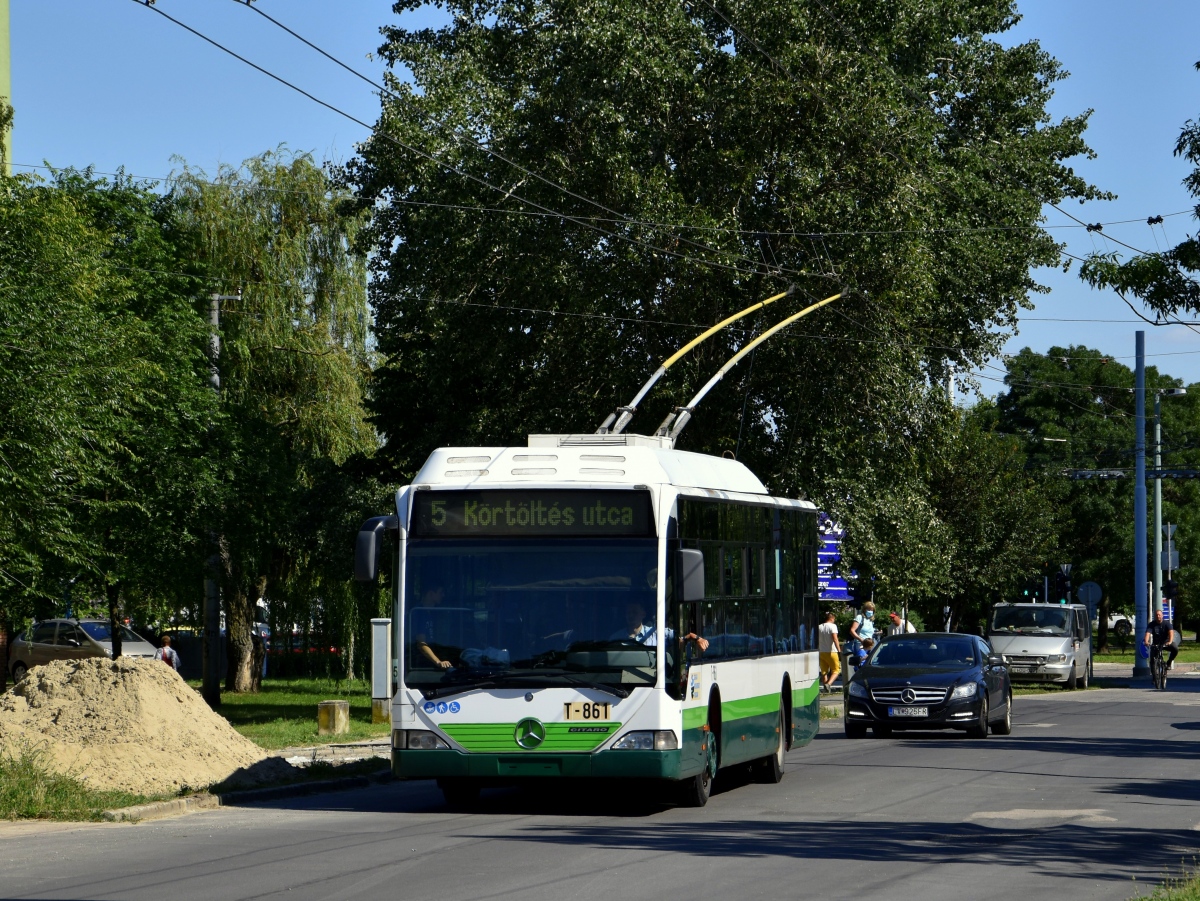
pixel 211 684
pixel 6 80
pixel 1140 668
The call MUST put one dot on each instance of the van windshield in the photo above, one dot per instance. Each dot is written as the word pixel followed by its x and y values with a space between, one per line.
pixel 1035 619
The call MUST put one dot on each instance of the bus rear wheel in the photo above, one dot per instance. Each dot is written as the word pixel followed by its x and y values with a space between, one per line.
pixel 460 794
pixel 769 770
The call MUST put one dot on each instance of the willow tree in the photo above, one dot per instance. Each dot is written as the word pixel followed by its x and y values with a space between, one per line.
pixel 293 364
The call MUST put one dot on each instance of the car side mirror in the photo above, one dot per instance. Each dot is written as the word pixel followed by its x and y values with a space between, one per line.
pixel 995 660
pixel 72 642
pixel 690 565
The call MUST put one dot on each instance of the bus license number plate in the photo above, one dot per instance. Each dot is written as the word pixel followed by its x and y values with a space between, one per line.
pixel 586 710
pixel 908 711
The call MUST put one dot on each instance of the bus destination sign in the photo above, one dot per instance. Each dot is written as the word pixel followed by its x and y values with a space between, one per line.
pixel 531 512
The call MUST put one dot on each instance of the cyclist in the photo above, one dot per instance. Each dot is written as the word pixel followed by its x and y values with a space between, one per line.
pixel 1159 634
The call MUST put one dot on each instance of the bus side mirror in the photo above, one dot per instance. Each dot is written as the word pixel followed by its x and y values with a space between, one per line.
pixel 690 566
pixel 366 547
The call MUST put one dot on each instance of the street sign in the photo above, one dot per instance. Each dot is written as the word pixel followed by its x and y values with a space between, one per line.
pixel 1089 593
pixel 1066 568
pixel 1169 530
pixel 1170 560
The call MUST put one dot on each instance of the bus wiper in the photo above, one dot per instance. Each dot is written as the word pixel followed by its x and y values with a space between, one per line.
pixel 499 680
pixel 441 691
pixel 615 690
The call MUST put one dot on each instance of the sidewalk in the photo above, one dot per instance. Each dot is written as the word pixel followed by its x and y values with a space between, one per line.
pixel 346 752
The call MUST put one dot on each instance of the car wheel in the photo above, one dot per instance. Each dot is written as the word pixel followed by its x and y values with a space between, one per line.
pixel 1073 679
pixel 855 730
pixel 19 670
pixel 1123 628
pixel 460 794
pixel 695 792
pixel 769 770
pixel 979 729
pixel 1086 677
pixel 1004 726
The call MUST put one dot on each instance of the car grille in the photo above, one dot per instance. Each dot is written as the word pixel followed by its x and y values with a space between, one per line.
pixel 920 696
pixel 1020 660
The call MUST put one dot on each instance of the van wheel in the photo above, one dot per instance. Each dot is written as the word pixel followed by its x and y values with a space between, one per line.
pixel 19 670
pixel 769 770
pixel 695 792
pixel 1083 680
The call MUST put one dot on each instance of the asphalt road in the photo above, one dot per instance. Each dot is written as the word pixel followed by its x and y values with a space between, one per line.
pixel 1091 790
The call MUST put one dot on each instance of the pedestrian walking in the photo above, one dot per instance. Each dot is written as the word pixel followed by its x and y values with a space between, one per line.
pixel 168 654
pixel 829 652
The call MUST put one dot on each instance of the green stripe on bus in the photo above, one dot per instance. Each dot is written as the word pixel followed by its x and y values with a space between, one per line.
pixel 695 717
pixel 502 737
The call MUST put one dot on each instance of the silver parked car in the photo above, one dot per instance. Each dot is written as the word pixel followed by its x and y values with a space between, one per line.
pixel 71 639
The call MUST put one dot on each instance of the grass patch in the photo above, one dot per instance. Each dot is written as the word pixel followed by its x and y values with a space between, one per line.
pixel 284 713
pixel 1183 888
pixel 30 791
pixel 829 712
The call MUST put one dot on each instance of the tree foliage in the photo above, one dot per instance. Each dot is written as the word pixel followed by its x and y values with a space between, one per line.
pixel 293 364
pixel 568 191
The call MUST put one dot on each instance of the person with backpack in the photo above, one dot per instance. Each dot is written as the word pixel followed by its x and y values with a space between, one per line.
pixel 862 627
pixel 168 654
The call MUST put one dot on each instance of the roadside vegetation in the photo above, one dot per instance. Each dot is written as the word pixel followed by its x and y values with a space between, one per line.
pixel 29 790
pixel 283 714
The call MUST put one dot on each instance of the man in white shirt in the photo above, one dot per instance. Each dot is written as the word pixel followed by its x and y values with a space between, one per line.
pixel 899 625
pixel 829 652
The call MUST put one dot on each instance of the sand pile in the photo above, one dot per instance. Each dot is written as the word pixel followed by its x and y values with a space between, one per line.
pixel 126 724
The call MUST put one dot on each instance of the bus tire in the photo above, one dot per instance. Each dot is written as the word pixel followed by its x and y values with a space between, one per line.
pixel 460 794
pixel 695 792
pixel 769 770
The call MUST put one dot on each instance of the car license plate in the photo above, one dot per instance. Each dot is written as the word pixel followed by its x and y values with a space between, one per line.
pixel 586 710
pixel 1021 669
pixel 908 711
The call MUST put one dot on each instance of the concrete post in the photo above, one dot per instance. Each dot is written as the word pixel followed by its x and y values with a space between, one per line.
pixel 381 670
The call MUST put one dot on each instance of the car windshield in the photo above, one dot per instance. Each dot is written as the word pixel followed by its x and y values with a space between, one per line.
pixel 1040 619
pixel 541 612
pixel 101 632
pixel 942 651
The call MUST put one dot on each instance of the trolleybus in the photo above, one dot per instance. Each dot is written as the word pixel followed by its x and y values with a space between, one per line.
pixel 597 606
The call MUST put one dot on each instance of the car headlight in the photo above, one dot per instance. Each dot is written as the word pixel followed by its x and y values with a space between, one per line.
pixel 660 740
pixel 422 740
pixel 858 690
pixel 964 691
pixel 1058 658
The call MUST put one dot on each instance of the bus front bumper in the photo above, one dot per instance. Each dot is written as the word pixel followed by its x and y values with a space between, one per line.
pixel 599 764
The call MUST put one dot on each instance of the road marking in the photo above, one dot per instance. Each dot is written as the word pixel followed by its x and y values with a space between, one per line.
pixel 1033 725
pixel 1088 815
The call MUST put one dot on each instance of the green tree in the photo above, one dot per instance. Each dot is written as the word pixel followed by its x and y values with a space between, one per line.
pixel 293 364
pixel 671 168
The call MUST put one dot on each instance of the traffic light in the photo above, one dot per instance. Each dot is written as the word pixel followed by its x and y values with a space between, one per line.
pixel 1062 588
pixel 1170 589
pixel 1031 591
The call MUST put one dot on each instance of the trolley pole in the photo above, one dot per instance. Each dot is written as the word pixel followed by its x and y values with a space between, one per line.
pixel 1140 593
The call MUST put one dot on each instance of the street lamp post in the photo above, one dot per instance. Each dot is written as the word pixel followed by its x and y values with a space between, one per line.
pixel 1158 396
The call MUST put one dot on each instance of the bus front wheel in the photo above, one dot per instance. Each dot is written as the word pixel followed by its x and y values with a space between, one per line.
pixel 695 792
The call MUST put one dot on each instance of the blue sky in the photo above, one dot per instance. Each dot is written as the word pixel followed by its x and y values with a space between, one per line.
pixel 110 83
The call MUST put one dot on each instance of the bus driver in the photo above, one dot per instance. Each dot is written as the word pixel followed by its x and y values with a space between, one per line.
pixel 637 629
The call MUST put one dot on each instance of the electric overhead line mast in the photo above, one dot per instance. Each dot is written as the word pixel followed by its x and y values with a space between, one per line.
pixel 599 605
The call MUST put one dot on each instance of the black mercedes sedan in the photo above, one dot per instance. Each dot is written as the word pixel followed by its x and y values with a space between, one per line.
pixel 930 680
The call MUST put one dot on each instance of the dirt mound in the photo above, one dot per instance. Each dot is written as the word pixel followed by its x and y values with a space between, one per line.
pixel 126 724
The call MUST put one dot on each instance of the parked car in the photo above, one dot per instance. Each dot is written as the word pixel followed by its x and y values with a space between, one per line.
pixel 930 680
pixel 70 639
pixel 1044 642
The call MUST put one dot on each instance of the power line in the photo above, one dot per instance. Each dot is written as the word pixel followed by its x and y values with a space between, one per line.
pixel 148 4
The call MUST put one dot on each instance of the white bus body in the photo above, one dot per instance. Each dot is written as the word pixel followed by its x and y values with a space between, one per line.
pixel 521 574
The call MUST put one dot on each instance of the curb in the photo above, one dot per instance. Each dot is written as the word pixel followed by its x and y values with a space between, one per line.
pixel 158 810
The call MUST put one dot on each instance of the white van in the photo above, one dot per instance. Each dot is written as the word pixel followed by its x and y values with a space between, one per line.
pixel 1044 642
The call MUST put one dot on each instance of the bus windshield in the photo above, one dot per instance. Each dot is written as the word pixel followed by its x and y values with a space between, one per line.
pixel 1034 619
pixel 517 613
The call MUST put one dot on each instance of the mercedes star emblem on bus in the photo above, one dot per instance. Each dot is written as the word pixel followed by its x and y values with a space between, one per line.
pixel 530 733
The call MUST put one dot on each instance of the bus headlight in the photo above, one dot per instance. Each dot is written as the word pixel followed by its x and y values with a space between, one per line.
pixel 418 740
pixel 662 740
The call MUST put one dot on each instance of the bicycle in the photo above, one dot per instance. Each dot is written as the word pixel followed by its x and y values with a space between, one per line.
pixel 1158 668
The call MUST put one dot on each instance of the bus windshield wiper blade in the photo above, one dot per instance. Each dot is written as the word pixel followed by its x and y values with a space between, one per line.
pixel 441 691
pixel 499 680
pixel 615 690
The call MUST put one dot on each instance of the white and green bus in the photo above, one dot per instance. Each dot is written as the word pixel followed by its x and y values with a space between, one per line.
pixel 597 606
